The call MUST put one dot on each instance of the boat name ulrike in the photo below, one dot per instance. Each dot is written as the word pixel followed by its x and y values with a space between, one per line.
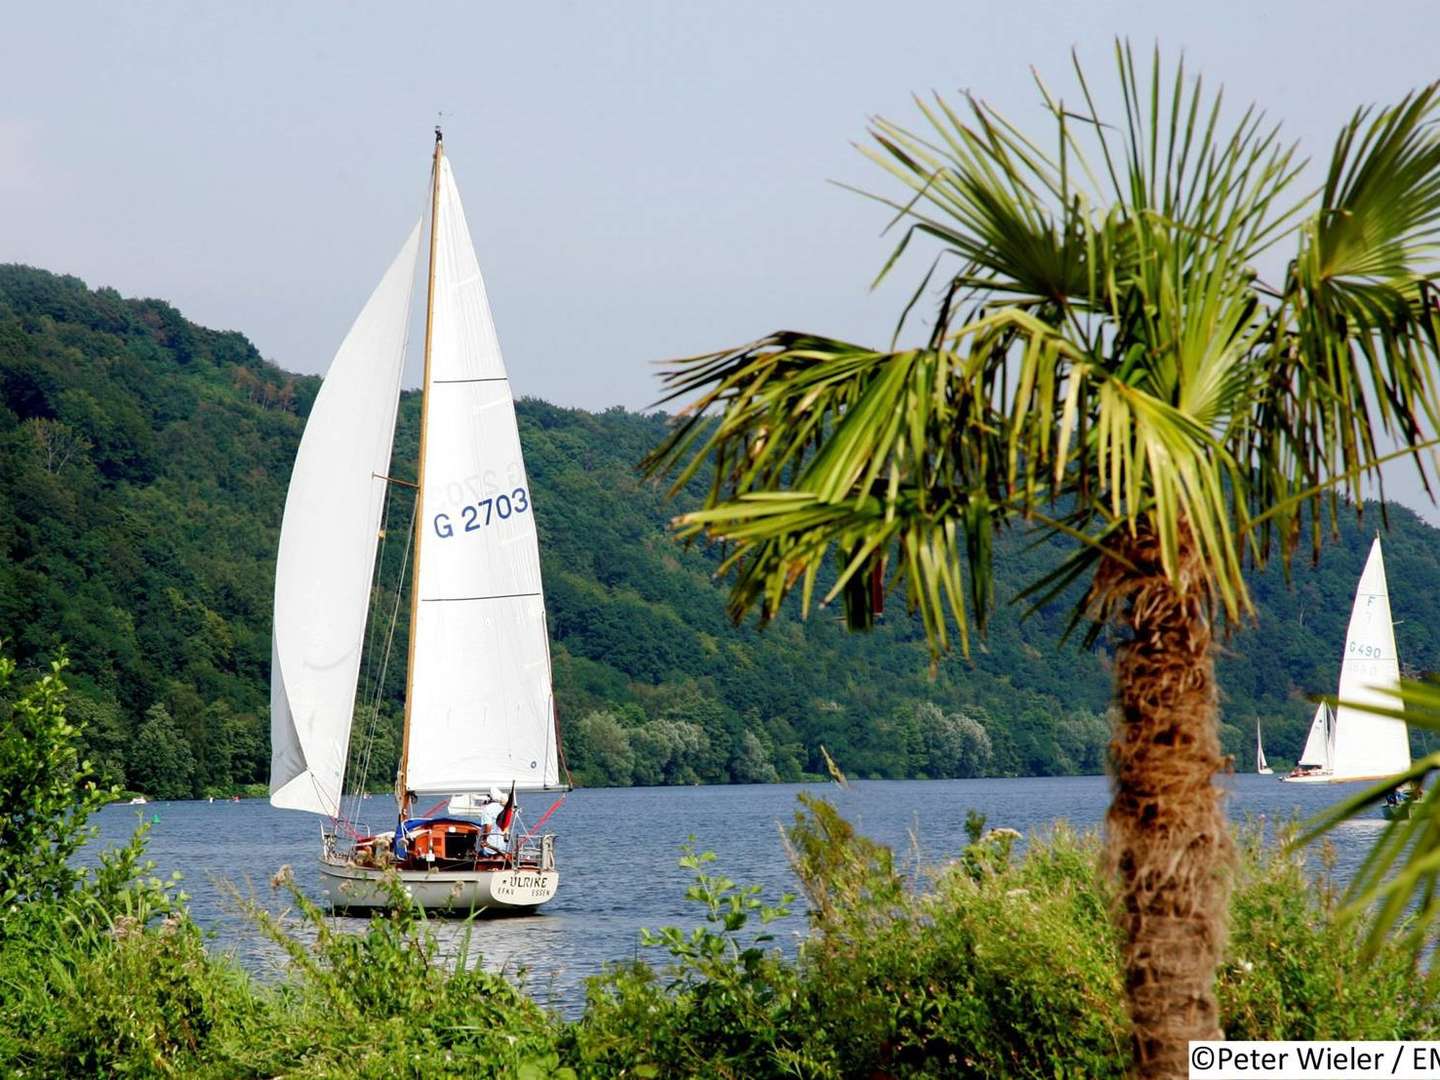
pixel 517 884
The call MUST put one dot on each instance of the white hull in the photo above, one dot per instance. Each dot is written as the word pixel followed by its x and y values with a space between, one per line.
pixel 1326 778
pixel 461 892
pixel 1267 771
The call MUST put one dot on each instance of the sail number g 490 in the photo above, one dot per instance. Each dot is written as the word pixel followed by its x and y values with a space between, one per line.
pixel 475 516
pixel 1368 651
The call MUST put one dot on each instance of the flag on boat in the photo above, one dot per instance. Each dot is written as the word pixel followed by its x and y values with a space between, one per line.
pixel 507 814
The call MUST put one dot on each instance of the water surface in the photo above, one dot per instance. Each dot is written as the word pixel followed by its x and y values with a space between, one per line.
pixel 618 847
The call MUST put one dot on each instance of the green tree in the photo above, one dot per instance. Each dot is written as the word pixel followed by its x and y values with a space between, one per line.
pixel 46 791
pixel 752 763
pixel 1107 365
pixel 954 744
pixel 601 752
pixel 161 762
pixel 667 750
pixel 103 736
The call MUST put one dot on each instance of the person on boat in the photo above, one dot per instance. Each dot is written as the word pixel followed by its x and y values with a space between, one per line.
pixel 494 841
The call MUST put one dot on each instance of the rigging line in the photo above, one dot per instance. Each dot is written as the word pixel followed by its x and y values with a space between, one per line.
pixel 376 594
pixel 376 600
pixel 373 726
pixel 385 663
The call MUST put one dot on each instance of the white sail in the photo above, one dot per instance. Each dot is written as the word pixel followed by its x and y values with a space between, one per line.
pixel 327 549
pixel 1261 765
pixel 1366 746
pixel 1319 743
pixel 481 710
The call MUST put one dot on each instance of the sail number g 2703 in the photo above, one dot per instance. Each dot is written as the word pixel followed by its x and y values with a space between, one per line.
pixel 478 515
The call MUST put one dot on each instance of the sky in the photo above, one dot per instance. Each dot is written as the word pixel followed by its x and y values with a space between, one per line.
pixel 643 180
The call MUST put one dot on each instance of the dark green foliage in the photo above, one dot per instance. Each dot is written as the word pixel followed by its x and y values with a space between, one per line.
pixel 162 762
pixel 143 466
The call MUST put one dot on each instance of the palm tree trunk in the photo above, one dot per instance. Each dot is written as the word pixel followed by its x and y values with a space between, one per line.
pixel 1166 837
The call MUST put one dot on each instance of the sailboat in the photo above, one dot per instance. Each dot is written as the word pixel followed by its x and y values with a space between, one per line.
pixel 1319 753
pixel 1261 765
pixel 1352 744
pixel 479 708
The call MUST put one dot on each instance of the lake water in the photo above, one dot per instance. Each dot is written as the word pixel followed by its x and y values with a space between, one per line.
pixel 618 847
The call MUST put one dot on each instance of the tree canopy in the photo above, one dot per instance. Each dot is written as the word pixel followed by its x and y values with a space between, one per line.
pixel 143 464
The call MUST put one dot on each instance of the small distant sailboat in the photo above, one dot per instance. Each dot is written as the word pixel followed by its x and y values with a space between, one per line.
pixel 1319 752
pixel 1261 765
pixel 479 706
pixel 1351 744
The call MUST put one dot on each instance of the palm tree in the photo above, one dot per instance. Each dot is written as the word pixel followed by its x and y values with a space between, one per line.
pixel 1105 362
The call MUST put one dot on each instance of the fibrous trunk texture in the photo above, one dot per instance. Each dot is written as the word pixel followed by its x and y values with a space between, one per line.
pixel 1166 837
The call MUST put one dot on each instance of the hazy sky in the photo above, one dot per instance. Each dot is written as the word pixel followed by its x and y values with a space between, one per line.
pixel 643 180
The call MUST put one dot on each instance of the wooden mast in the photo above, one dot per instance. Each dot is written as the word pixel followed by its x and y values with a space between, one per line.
pixel 402 792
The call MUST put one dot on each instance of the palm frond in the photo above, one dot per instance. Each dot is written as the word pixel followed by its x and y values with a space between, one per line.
pixel 1102 357
pixel 1355 347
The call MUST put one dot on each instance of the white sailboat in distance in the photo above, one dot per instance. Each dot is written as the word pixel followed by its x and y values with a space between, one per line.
pixel 1319 751
pixel 1261 765
pixel 1354 744
pixel 479 709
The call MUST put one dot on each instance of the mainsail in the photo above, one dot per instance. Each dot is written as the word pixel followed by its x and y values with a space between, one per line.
pixel 327 549
pixel 1319 744
pixel 481 709
pixel 1367 746
pixel 1261 765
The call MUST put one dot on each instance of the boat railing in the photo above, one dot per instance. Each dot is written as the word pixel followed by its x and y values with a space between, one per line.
pixel 339 840
pixel 536 851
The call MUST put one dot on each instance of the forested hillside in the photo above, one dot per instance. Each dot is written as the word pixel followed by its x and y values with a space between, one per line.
pixel 143 465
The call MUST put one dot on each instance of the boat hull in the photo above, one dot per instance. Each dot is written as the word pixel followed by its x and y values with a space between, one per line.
pixel 457 892
pixel 1328 779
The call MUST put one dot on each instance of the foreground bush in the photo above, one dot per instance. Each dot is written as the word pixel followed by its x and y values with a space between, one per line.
pixel 984 967
pixel 994 964
pixel 1293 971
pixel 991 965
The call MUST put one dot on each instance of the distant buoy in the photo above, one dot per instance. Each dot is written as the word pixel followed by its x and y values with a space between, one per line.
pixel 154 819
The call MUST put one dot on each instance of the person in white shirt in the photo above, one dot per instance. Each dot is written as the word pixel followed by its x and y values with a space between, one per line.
pixel 494 841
